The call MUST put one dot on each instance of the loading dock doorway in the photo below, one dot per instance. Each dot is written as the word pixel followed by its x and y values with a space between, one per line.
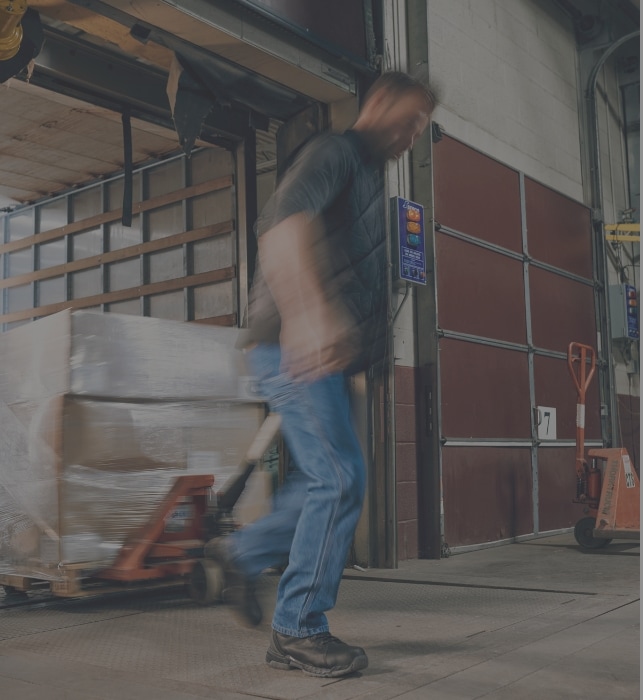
pixel 514 283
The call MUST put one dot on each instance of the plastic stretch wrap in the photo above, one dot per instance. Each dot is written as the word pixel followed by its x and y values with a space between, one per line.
pixel 99 414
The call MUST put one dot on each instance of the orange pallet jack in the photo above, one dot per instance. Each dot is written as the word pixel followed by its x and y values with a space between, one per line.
pixel 611 494
pixel 152 554
pixel 156 554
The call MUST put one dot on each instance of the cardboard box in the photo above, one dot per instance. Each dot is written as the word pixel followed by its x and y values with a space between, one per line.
pixel 99 414
pixel 115 356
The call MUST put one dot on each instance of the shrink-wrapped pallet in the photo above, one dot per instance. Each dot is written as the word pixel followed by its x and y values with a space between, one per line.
pixel 99 414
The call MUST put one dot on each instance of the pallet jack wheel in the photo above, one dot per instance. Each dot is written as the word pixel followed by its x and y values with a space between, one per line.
pixel 206 583
pixel 584 534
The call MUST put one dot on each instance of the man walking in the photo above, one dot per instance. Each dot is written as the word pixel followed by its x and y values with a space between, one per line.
pixel 317 315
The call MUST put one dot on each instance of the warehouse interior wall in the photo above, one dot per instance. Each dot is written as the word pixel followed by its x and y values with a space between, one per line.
pixel 510 85
pixel 508 76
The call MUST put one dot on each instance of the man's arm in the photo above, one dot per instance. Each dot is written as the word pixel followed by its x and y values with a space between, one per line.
pixel 318 336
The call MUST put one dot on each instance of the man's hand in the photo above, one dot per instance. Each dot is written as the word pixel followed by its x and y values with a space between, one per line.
pixel 317 343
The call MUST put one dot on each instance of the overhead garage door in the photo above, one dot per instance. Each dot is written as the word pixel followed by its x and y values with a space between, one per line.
pixel 514 288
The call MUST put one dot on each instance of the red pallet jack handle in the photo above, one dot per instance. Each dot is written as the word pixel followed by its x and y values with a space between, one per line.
pixel 578 356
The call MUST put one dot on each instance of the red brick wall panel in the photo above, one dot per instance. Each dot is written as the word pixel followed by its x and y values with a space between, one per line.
pixel 480 292
pixel 476 195
pixel 485 391
pixel 487 494
pixel 557 488
pixel 406 461
pixel 407 540
pixel 405 385
pixel 407 504
pixel 559 230
pixel 562 311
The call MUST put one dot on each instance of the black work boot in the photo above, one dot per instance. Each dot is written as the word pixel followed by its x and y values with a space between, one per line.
pixel 319 655
pixel 238 590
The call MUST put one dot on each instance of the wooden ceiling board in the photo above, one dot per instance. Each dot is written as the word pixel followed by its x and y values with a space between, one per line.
pixel 94 127
pixel 39 184
pixel 69 144
pixel 16 194
pixel 69 147
pixel 106 129
pixel 50 142
pixel 86 138
pixel 39 162
pixel 43 153
pixel 43 107
pixel 55 176
pixel 28 109
pixel 38 172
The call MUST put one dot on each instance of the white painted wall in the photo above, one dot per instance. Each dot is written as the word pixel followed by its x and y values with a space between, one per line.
pixel 404 328
pixel 506 71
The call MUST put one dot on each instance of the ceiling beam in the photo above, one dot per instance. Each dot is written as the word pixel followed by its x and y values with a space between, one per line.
pixel 211 29
pixel 116 79
pixel 95 75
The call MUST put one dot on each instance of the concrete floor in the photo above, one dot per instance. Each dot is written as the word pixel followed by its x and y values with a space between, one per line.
pixel 531 621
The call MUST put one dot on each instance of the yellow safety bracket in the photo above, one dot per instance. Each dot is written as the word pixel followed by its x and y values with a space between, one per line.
pixel 623 233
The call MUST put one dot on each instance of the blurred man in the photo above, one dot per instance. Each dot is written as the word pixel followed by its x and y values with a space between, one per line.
pixel 317 315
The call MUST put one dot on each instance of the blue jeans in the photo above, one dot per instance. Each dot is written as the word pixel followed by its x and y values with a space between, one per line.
pixel 317 509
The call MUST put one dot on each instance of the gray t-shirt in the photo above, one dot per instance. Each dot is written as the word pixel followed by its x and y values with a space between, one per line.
pixel 333 178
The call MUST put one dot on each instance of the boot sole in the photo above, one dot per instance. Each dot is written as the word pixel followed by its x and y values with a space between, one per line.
pixel 287 663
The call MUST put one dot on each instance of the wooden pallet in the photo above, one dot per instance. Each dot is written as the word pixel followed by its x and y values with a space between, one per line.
pixel 75 584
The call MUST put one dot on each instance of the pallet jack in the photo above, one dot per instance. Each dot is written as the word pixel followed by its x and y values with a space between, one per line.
pixel 611 492
pixel 155 554
pixel 146 556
